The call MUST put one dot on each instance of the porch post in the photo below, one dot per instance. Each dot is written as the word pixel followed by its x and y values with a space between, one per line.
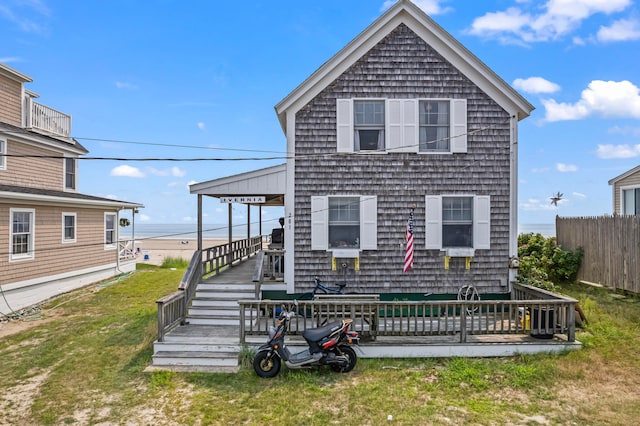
pixel 199 221
pixel 230 222
pixel 248 221
pixel 260 219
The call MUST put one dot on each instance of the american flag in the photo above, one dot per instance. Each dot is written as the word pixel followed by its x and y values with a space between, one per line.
pixel 408 255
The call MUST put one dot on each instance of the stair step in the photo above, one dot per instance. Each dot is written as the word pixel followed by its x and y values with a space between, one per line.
pixel 214 320
pixel 224 295
pixel 194 368
pixel 226 287
pixel 194 346
pixel 191 358
pixel 215 302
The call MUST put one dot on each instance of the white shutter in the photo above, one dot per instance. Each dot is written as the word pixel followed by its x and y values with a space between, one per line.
pixel 394 125
pixel 433 216
pixel 458 125
pixel 482 222
pixel 368 222
pixel 410 125
pixel 319 223
pixel 344 130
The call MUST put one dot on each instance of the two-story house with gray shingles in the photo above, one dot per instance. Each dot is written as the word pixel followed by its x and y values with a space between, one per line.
pixel 403 118
pixel 626 192
pixel 52 238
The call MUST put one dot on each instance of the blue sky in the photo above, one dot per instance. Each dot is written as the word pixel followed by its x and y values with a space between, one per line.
pixel 203 77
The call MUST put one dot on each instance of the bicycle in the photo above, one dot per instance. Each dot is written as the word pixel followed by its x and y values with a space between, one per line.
pixel 321 288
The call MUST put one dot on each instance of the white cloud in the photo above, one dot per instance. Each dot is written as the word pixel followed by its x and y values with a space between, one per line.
pixel 579 195
pixel 177 172
pixel 127 171
pixel 430 7
pixel 201 125
pixel 535 85
pixel 189 219
pixel 554 20
pixel 533 204
pixel 172 184
pixel 143 217
pixel 540 170
pixel 10 59
pixel 610 151
pixel 608 99
pixel 621 30
pixel 566 168
pixel 625 131
pixel 126 85
pixel 22 14
pixel 173 171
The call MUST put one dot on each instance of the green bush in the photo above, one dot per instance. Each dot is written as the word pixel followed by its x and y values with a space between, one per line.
pixel 174 262
pixel 543 263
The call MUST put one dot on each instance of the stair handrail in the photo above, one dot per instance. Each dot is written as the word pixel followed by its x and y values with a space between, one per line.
pixel 190 280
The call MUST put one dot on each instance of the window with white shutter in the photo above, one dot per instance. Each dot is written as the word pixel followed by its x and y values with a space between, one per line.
pixel 344 222
pixel 458 221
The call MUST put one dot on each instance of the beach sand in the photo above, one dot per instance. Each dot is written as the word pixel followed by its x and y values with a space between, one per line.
pixel 155 250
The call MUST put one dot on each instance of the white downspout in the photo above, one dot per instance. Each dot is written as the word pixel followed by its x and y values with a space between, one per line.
pixel 513 197
pixel 289 205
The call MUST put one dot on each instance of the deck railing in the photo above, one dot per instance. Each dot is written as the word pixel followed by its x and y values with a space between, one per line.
pixel 172 309
pixel 46 119
pixel 540 317
pixel 125 250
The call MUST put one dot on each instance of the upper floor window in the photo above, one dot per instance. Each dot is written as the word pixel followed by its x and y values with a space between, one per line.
pixel 631 201
pixel 368 125
pixel 401 125
pixel 70 173
pixel 434 126
pixel 3 153
pixel 68 227
pixel 22 234
pixel 110 231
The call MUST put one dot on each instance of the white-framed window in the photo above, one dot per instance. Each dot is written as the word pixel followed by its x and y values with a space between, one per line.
pixel 368 125
pixel 344 222
pixel 3 153
pixel 458 221
pixel 22 238
pixel 68 227
pixel 410 125
pixel 110 230
pixel 631 201
pixel 70 173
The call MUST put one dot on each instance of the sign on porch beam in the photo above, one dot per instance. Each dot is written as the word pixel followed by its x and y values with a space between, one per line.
pixel 243 200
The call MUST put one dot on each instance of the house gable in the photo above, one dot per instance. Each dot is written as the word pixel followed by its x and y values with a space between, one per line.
pixel 406 13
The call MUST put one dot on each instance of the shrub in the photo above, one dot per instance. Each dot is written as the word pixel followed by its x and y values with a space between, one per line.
pixel 544 263
pixel 174 262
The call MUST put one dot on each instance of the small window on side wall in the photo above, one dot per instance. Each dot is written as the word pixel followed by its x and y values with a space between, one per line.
pixel 3 153
pixel 457 222
pixel 344 222
pixel 435 121
pixel 68 227
pixel 110 231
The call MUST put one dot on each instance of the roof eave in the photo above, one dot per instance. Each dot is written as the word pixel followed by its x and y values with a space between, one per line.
pixel 406 12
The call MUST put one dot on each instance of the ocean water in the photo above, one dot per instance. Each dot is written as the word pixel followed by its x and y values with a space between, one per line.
pixel 546 229
pixel 186 231
pixel 218 231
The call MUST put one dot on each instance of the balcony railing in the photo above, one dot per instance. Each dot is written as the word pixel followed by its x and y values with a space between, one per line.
pixel 47 120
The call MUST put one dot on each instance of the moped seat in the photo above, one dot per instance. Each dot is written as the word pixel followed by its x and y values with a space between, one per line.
pixel 317 334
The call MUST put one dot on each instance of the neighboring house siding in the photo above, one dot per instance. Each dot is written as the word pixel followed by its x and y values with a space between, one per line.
pixel 403 66
pixel 629 181
pixel 10 101
pixel 52 257
pixel 44 173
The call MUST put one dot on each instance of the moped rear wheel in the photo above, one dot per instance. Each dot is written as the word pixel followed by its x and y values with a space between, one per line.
pixel 350 354
pixel 266 365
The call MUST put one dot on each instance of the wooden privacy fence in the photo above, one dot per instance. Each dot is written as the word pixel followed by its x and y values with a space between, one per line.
pixel 611 249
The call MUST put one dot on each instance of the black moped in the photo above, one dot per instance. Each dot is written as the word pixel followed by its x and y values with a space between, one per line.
pixel 328 345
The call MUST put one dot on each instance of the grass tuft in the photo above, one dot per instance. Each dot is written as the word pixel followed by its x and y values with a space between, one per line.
pixel 174 262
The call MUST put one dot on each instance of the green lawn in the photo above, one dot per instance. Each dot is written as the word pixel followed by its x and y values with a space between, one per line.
pixel 83 362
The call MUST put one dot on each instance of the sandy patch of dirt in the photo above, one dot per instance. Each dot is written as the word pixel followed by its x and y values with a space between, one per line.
pixel 16 402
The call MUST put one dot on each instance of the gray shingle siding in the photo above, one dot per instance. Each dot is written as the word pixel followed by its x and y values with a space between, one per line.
pixel 403 66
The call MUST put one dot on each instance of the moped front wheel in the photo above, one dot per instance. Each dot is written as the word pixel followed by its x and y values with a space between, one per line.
pixel 266 364
pixel 351 356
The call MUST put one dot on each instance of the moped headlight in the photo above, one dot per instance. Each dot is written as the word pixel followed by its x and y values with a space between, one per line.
pixel 272 332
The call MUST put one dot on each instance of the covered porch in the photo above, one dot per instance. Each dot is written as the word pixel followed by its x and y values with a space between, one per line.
pixel 258 188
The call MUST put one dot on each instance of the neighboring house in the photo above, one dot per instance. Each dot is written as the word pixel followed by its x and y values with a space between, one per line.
pixel 52 238
pixel 626 192
pixel 404 116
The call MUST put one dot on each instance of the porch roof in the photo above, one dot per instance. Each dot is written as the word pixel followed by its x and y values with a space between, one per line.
pixel 269 182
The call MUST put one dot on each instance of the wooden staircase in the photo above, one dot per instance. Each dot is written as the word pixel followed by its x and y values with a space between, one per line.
pixel 209 341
